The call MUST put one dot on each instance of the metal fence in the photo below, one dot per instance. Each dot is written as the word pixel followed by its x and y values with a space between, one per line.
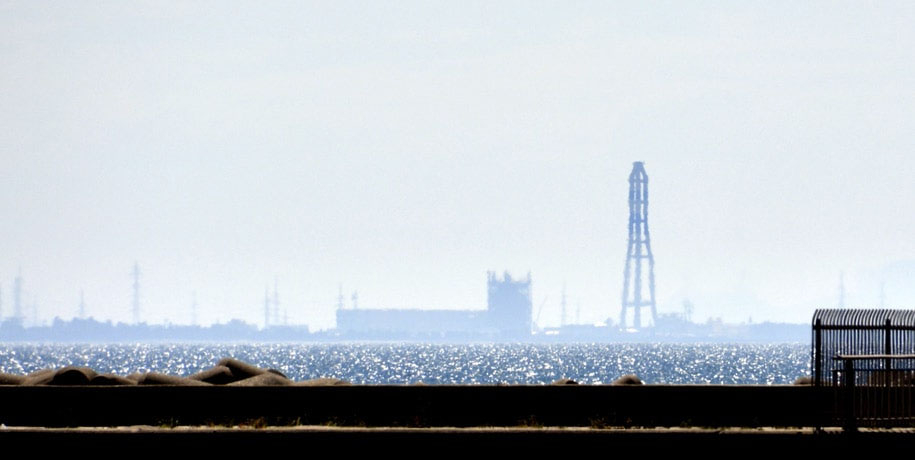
pixel 861 332
pixel 874 391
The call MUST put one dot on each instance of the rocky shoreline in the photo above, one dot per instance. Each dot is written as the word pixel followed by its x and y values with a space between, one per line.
pixel 228 371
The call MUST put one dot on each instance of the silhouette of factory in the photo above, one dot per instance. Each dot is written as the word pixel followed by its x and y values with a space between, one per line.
pixel 508 315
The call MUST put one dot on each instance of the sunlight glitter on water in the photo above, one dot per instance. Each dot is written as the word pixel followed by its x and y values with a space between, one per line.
pixel 441 364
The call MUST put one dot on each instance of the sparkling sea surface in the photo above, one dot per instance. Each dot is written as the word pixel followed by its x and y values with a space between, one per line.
pixel 382 363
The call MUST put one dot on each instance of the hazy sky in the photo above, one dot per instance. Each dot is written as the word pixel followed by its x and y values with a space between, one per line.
pixel 403 149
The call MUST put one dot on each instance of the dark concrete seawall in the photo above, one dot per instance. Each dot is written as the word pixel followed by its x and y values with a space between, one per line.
pixel 418 420
pixel 448 442
pixel 419 406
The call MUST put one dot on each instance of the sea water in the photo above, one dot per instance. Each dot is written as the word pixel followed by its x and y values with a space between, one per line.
pixel 384 363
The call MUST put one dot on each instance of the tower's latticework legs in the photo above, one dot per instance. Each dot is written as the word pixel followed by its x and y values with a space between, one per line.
pixel 639 249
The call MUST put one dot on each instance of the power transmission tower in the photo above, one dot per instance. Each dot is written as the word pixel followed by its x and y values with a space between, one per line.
pixel 639 250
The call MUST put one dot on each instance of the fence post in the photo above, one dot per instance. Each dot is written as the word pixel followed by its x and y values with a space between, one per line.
pixel 817 356
pixel 887 347
pixel 850 422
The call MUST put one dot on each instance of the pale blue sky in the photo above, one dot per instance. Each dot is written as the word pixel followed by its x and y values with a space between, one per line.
pixel 403 150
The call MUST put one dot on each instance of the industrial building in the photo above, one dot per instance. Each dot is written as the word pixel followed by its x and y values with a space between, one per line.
pixel 508 315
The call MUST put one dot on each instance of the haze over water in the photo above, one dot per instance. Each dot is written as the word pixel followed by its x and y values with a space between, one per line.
pixel 400 150
pixel 442 364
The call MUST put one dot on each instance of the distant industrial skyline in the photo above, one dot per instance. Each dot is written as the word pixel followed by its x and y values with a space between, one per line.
pixel 402 151
pixel 25 304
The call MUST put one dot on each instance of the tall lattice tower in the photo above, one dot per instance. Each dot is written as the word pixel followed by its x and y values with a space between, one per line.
pixel 639 249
